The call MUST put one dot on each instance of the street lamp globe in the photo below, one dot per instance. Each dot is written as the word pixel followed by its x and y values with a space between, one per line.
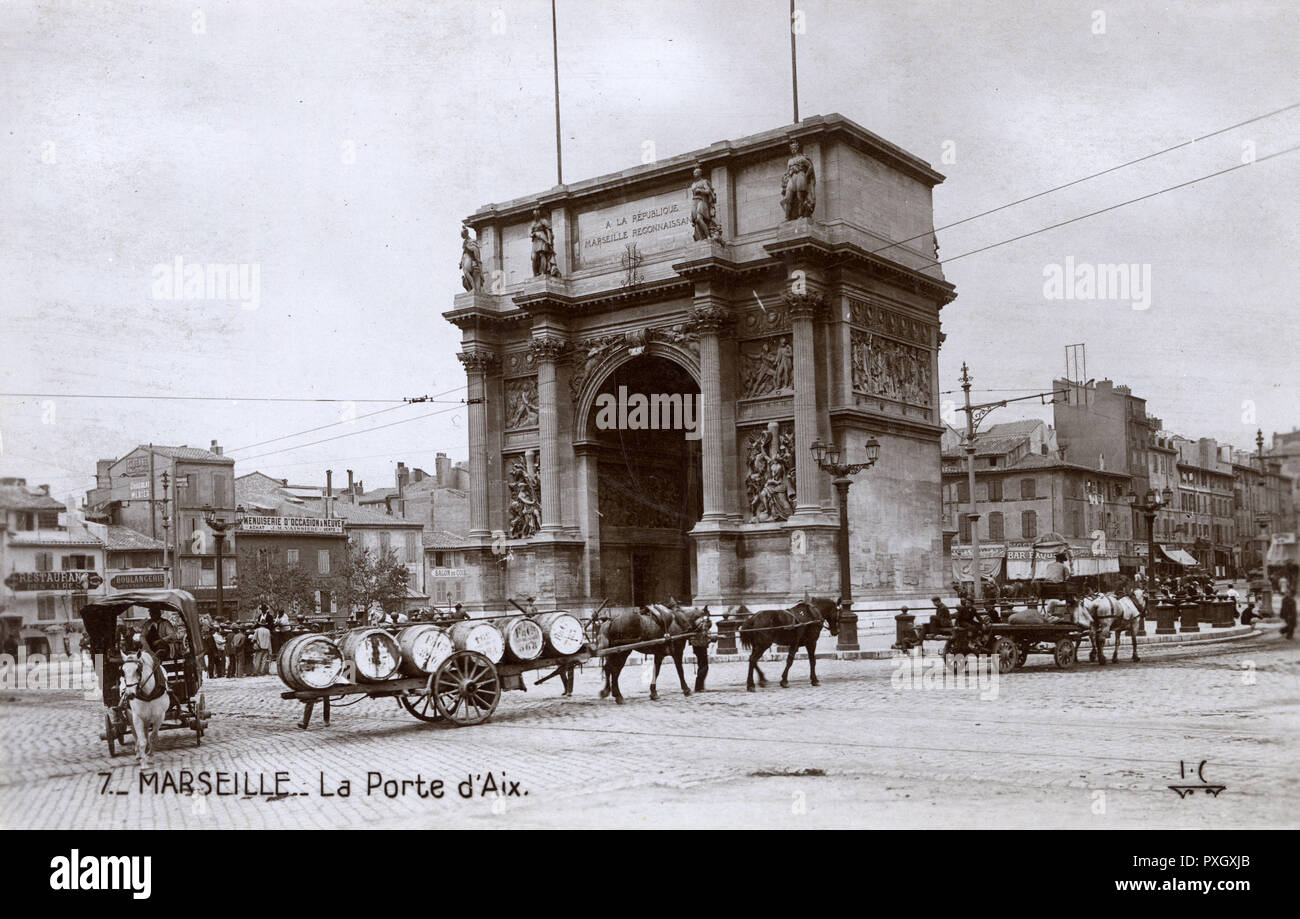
pixel 873 450
pixel 1168 496
pixel 818 451
pixel 833 452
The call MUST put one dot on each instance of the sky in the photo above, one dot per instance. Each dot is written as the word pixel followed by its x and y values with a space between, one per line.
pixel 334 146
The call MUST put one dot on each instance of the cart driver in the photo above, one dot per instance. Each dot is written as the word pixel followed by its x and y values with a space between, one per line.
pixel 160 636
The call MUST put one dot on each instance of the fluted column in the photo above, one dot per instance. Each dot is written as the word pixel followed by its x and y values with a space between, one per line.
pixel 709 319
pixel 804 309
pixel 478 363
pixel 546 351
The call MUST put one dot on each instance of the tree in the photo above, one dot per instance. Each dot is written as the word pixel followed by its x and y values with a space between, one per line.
pixel 279 585
pixel 372 579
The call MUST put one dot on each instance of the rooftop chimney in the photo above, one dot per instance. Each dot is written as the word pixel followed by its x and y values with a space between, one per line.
pixel 329 490
pixel 352 488
pixel 442 469
pixel 215 448
pixel 45 489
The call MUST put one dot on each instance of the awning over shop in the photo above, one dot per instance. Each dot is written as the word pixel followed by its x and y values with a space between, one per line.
pixel 991 557
pixel 1178 557
pixel 1095 564
pixel 1020 562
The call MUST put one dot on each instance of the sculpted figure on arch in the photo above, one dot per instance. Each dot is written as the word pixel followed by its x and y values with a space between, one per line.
pixel 543 238
pixel 798 185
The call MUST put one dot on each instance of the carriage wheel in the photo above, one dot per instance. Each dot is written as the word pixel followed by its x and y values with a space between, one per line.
pixel 1066 654
pixel 422 704
pixel 466 688
pixel 1024 654
pixel 1008 654
pixel 110 734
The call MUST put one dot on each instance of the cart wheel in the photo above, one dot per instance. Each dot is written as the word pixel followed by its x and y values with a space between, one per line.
pixel 1008 654
pixel 1024 655
pixel 110 734
pixel 466 688
pixel 1066 654
pixel 422 704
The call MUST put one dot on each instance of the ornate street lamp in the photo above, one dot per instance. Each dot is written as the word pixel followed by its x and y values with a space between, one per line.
pixel 828 460
pixel 219 527
pixel 1154 501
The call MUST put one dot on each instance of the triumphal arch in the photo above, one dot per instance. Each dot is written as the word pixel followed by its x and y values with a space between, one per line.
pixel 651 355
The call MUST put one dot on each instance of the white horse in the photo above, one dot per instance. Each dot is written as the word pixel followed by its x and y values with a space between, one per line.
pixel 1107 613
pixel 144 686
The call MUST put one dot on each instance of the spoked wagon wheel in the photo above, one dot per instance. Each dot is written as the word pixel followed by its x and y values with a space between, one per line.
pixel 110 734
pixel 1007 653
pixel 466 688
pixel 422 704
pixel 1066 654
pixel 952 661
pixel 200 711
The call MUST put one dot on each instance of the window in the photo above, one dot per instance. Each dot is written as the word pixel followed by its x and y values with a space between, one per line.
pixel 323 563
pixel 44 561
pixel 45 607
pixel 963 493
pixel 26 521
pixel 412 547
pixel 1076 523
pixel 189 572
pixel 326 599
pixel 1028 489
pixel 963 529
pixel 208 572
pixel 385 542
pixel 440 559
pixel 995 526
pixel 48 520
pixel 291 558
pixel 995 490
pixel 78 563
pixel 1028 524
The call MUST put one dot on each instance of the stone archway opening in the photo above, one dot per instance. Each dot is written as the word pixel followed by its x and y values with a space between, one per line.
pixel 644 420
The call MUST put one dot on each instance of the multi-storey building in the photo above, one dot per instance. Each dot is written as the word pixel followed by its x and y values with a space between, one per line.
pixel 168 493
pixel 1207 526
pixel 52 565
pixel 1023 496
pixel 1104 426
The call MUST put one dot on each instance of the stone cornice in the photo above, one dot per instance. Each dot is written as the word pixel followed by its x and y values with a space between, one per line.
pixel 831 255
pixel 476 317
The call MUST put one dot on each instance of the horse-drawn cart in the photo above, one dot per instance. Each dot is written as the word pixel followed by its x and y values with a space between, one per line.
pixel 106 637
pixel 1011 643
pixel 465 688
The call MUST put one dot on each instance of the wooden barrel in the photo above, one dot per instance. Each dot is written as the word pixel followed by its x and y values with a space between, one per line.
pixel 423 647
pixel 562 631
pixel 478 635
pixel 373 654
pixel 522 637
pixel 309 661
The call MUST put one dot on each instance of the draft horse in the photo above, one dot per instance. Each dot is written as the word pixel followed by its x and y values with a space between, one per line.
pixel 798 626
pixel 649 623
pixel 145 690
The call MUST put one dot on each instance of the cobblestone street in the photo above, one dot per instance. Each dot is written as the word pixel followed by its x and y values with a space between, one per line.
pixel 1088 748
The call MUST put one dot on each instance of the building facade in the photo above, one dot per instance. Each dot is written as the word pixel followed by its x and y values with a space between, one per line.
pixel 51 565
pixel 757 291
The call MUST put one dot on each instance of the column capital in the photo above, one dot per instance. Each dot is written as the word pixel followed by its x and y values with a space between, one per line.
pixel 547 348
pixel 809 305
pixel 478 360
pixel 709 317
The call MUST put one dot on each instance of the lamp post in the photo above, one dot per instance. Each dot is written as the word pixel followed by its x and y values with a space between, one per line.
pixel 828 460
pixel 219 527
pixel 1149 507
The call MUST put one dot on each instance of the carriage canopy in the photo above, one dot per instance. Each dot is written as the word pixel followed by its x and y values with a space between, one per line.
pixel 100 617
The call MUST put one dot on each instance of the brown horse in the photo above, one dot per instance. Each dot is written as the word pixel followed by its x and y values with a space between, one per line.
pixel 629 627
pixel 799 626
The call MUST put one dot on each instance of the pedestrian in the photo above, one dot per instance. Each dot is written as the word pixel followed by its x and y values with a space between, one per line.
pixel 700 645
pixel 1288 616
pixel 236 647
pixel 261 650
pixel 218 656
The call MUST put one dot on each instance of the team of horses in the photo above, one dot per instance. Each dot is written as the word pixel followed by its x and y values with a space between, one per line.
pixel 798 627
pixel 645 629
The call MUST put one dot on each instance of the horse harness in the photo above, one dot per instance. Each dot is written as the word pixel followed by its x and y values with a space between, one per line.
pixel 159 681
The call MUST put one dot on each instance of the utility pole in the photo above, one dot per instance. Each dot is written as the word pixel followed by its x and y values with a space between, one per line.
pixel 794 66
pixel 974 415
pixel 973 516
